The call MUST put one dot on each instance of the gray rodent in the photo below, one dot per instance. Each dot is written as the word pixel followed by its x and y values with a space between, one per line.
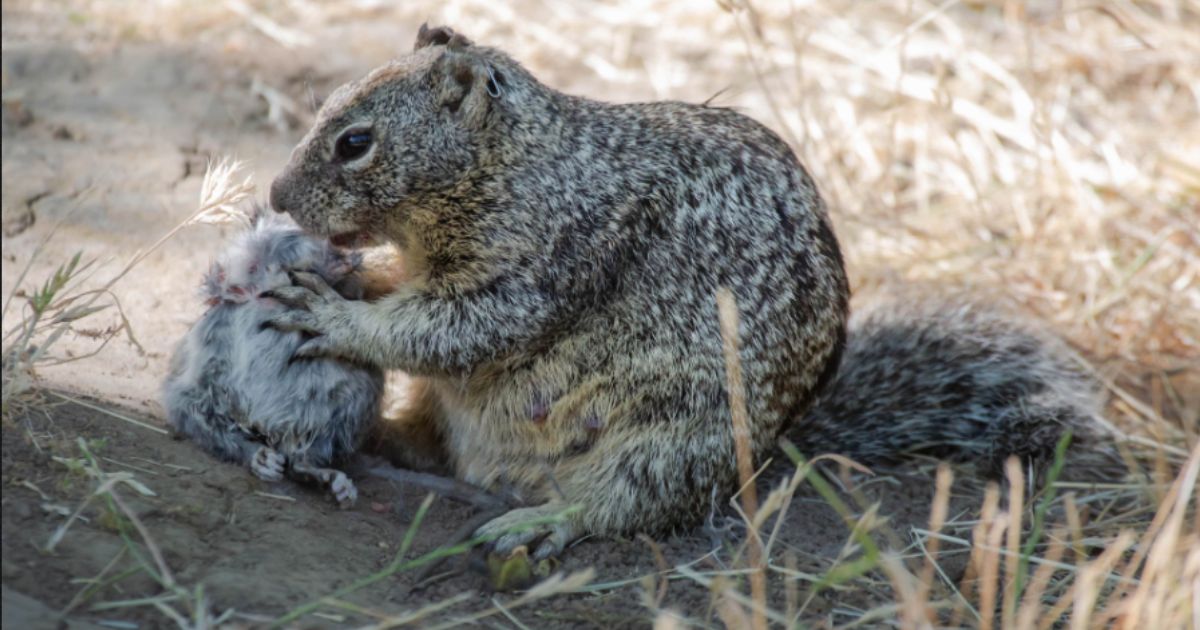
pixel 234 387
pixel 563 258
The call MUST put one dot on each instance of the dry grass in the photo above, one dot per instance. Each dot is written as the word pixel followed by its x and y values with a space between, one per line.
pixel 1047 153
pixel 1138 573
pixel 186 608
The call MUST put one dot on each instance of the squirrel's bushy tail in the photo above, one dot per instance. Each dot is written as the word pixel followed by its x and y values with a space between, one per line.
pixel 951 378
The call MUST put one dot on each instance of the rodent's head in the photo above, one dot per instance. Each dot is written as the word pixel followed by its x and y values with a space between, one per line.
pixel 260 258
pixel 409 131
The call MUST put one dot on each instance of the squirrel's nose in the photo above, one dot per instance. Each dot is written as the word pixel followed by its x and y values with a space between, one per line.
pixel 278 197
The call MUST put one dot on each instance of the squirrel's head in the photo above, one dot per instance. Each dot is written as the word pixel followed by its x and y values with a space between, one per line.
pixel 413 130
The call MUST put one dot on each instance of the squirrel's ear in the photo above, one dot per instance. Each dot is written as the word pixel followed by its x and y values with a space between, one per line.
pixel 465 84
pixel 439 36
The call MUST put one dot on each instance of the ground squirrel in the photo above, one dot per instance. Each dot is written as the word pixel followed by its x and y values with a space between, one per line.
pixel 233 386
pixel 564 255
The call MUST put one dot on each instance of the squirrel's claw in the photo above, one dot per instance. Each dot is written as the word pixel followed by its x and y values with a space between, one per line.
pixel 545 539
pixel 291 321
pixel 293 297
pixel 313 283
pixel 315 348
pixel 307 290
pixel 313 308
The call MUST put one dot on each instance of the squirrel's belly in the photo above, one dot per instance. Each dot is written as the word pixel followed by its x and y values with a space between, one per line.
pixel 513 428
pixel 487 436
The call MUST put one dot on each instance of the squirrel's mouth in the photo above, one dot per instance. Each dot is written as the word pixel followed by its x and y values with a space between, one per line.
pixel 352 240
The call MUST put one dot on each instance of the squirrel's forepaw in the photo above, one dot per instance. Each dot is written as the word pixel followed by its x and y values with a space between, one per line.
pixel 307 292
pixel 267 464
pixel 532 528
pixel 313 308
pixel 292 296
pixel 314 283
pixel 293 321
pixel 316 348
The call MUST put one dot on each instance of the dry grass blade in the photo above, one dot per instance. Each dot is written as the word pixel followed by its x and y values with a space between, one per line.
pixel 937 518
pixel 286 37
pixel 420 615
pixel 221 194
pixel 669 620
pixel 1031 603
pixel 1086 589
pixel 1016 508
pixel 551 586
pixel 1153 533
pixel 915 610
pixel 1167 552
pixel 727 311
pixel 731 613
pixel 981 573
pixel 657 594
pixel 110 412
pixel 989 575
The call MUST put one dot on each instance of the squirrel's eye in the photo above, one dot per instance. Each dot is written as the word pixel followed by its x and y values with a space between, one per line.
pixel 352 144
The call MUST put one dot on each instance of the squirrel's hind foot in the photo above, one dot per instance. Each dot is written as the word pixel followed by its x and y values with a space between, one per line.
pixel 533 527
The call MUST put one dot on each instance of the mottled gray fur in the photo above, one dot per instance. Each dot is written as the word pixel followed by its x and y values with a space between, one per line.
pixel 951 377
pixel 563 258
pixel 236 390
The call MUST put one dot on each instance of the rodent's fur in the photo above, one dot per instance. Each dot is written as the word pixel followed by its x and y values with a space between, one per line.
pixel 950 376
pixel 233 386
pixel 564 255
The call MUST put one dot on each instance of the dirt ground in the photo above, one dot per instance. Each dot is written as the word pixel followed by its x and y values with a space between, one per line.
pixel 264 548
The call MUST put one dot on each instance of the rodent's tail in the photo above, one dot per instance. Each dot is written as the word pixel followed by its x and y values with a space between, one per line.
pixel 951 378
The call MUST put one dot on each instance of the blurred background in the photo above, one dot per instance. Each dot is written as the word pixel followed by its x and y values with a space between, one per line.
pixel 1046 153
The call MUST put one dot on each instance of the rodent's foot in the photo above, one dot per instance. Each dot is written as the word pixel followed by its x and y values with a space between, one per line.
pixel 338 483
pixel 267 464
pixel 545 539
pixel 343 489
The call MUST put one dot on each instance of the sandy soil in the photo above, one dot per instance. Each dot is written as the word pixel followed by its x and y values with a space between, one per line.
pixel 264 548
